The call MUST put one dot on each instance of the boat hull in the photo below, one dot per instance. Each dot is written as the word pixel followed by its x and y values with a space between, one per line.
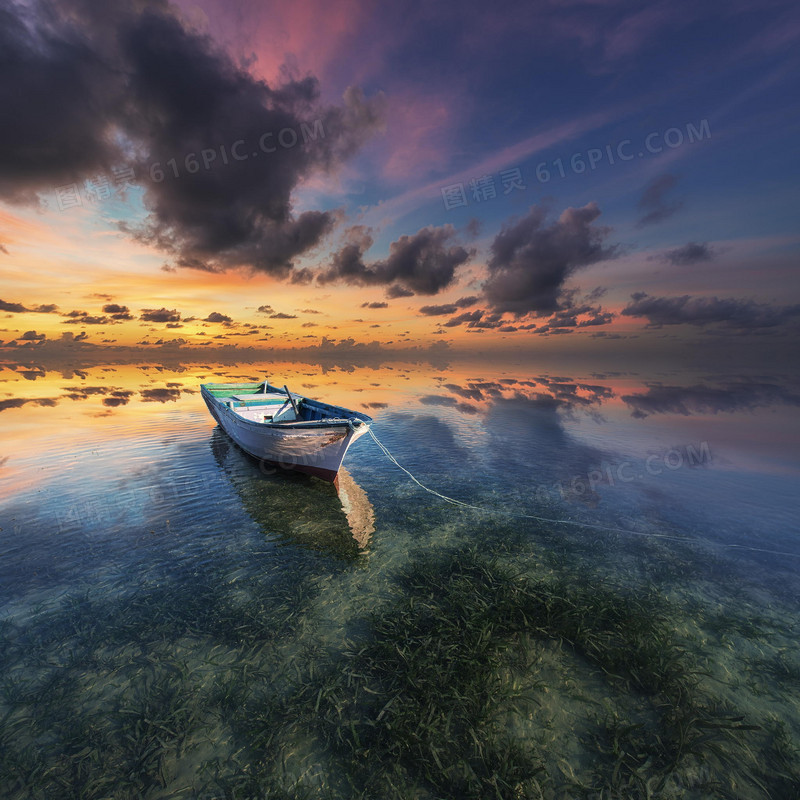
pixel 316 449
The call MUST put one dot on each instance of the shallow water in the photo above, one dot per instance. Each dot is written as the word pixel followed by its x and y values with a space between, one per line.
pixel 617 617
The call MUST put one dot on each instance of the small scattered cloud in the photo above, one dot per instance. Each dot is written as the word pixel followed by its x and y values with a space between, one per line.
pixel 395 292
pixel 424 263
pixel 691 253
pixel 83 318
pixel 117 312
pixel 448 308
pixel 160 395
pixel 14 308
pixel 160 315
pixel 18 402
pixel 115 401
pixel 654 204
pixel 18 308
pixel 473 228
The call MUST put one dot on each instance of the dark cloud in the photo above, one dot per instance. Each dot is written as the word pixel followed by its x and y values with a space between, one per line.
pixel 702 399
pixel 68 337
pixel 17 402
pixel 448 308
pixel 446 400
pixel 114 402
pixel 424 263
pixel 700 311
pixel 568 317
pixel 82 318
pixel 396 291
pixel 438 311
pixel 301 276
pixel 32 374
pixel 117 312
pixel 476 321
pixel 281 315
pixel 653 204
pixel 215 316
pixel 160 395
pixel 375 305
pixel 470 393
pixel 54 71
pixel 691 253
pixel 473 227
pixel 531 260
pixel 114 397
pixel 160 315
pixel 18 308
pixel 32 336
pixel 85 90
pixel 266 310
pixel 466 317
pixel 596 318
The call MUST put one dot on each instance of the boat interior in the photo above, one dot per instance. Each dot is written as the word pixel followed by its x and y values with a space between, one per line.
pixel 267 404
pixel 267 407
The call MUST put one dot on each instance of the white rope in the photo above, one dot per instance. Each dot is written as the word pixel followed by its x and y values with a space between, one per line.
pixel 480 509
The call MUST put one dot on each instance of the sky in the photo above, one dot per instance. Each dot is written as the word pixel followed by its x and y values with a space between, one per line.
pixel 565 176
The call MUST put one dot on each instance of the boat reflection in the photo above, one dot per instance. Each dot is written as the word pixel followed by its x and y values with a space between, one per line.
pixel 295 508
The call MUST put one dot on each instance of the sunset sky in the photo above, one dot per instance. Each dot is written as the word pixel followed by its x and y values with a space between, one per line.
pixel 275 175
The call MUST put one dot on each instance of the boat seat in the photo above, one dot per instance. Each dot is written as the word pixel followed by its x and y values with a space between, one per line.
pixel 285 413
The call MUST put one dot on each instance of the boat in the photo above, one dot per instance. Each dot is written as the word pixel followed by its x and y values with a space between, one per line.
pixel 285 429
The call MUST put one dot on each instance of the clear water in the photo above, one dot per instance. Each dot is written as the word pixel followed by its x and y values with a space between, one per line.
pixel 179 621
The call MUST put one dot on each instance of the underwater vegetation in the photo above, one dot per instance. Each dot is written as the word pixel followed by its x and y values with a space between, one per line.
pixel 476 673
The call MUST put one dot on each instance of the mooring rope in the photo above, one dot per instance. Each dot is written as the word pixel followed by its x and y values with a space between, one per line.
pixel 481 509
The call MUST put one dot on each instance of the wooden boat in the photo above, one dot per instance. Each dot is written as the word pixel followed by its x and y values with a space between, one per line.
pixel 288 430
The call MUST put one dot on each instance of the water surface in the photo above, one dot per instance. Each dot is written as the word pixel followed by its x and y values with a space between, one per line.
pixel 615 612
